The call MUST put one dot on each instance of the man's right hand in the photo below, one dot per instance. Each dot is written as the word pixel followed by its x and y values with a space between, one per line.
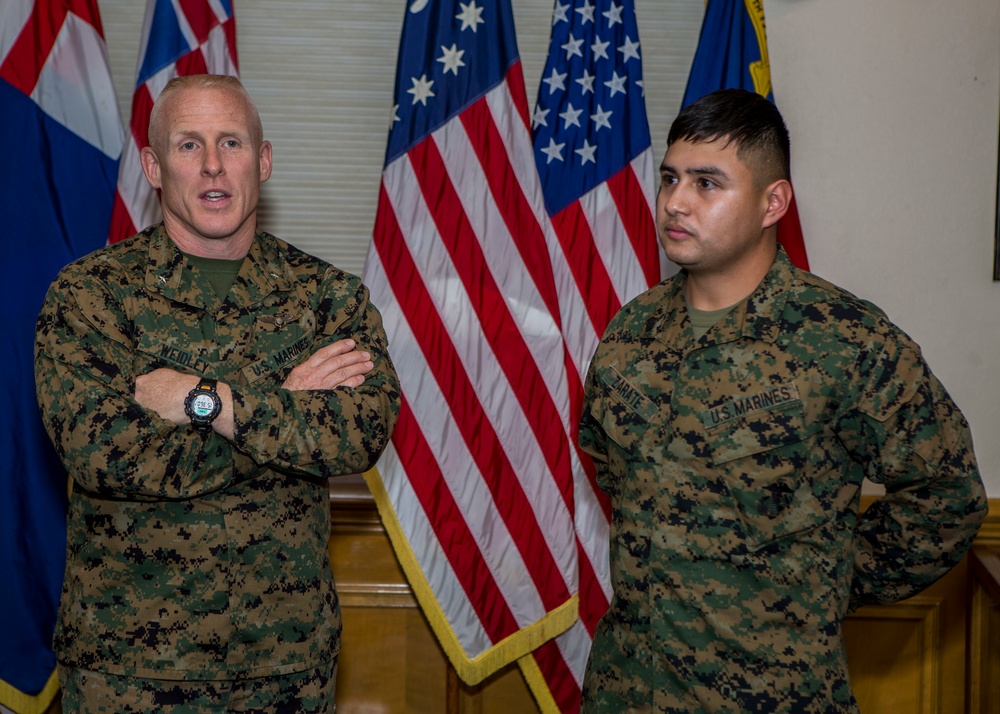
pixel 337 365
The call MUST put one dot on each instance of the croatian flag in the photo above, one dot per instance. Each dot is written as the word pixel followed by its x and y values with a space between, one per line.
pixel 179 37
pixel 61 136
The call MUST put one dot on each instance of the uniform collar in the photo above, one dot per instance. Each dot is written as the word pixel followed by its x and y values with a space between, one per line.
pixel 264 270
pixel 756 317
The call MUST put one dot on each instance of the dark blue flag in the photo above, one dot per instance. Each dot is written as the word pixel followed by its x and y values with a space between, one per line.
pixel 61 137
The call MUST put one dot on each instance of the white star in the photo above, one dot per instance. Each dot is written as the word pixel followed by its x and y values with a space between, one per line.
pixel 555 81
pixel 451 59
pixel 614 14
pixel 586 81
pixel 641 86
pixel 601 118
pixel 395 114
pixel 572 47
pixel 617 84
pixel 571 116
pixel 629 49
pixel 586 12
pixel 600 49
pixel 587 153
pixel 553 151
pixel 421 89
pixel 559 14
pixel 538 119
pixel 471 16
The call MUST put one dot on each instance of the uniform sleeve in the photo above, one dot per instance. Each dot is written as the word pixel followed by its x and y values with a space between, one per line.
pixel 591 436
pixel 326 432
pixel 915 442
pixel 108 443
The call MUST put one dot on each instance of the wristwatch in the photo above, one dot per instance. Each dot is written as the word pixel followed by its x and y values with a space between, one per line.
pixel 203 404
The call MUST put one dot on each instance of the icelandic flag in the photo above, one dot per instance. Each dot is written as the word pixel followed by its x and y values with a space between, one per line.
pixel 61 137
pixel 732 54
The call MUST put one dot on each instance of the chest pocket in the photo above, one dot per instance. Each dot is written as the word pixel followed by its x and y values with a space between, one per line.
pixel 279 342
pixel 762 453
pixel 632 419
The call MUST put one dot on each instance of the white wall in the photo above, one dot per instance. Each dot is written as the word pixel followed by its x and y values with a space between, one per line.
pixel 893 110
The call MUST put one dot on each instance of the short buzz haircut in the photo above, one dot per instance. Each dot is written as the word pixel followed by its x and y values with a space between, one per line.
pixel 745 119
pixel 203 81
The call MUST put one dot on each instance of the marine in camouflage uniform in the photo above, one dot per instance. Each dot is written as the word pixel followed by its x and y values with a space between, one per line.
pixel 192 556
pixel 734 463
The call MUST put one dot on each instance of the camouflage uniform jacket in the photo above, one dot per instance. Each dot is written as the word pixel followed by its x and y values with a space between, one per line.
pixel 190 556
pixel 734 464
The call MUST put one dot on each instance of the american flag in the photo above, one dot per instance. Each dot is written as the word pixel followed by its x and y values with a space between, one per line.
pixel 179 37
pixel 60 137
pixel 492 315
pixel 592 148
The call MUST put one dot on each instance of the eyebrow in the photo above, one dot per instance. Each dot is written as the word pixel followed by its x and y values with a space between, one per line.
pixel 199 133
pixel 696 171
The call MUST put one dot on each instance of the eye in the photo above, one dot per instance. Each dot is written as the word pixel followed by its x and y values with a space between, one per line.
pixel 231 143
pixel 187 146
pixel 667 179
pixel 706 183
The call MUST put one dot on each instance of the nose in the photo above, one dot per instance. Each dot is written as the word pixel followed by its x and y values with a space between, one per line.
pixel 212 164
pixel 673 199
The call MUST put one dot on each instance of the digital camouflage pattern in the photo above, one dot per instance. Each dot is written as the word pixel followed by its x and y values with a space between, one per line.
pixel 309 692
pixel 734 465
pixel 190 557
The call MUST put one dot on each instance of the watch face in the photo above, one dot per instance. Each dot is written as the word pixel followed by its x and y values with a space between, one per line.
pixel 203 405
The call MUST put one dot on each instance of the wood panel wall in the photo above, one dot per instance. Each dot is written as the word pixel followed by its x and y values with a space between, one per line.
pixel 915 657
pixel 984 631
pixel 390 660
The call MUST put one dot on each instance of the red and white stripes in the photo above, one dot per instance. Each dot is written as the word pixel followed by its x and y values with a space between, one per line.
pixel 493 311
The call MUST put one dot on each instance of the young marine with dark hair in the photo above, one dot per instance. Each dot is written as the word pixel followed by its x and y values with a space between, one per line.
pixel 733 412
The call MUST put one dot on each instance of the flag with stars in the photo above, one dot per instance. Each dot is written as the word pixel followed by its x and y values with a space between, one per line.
pixel 477 488
pixel 732 54
pixel 595 162
pixel 60 137
pixel 178 38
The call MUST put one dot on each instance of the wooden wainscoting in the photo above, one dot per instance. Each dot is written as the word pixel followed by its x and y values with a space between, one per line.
pixel 910 656
pixel 390 661
pixel 907 658
pixel 984 631
pixel 916 656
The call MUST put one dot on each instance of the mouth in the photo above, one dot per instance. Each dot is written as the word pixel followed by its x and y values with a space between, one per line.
pixel 214 196
pixel 675 231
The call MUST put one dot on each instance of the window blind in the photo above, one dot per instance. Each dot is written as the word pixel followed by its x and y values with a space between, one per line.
pixel 322 73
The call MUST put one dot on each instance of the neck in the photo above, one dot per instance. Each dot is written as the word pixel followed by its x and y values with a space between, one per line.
pixel 233 247
pixel 720 289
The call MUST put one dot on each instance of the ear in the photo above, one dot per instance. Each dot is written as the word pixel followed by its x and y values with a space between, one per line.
pixel 150 166
pixel 265 161
pixel 779 198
